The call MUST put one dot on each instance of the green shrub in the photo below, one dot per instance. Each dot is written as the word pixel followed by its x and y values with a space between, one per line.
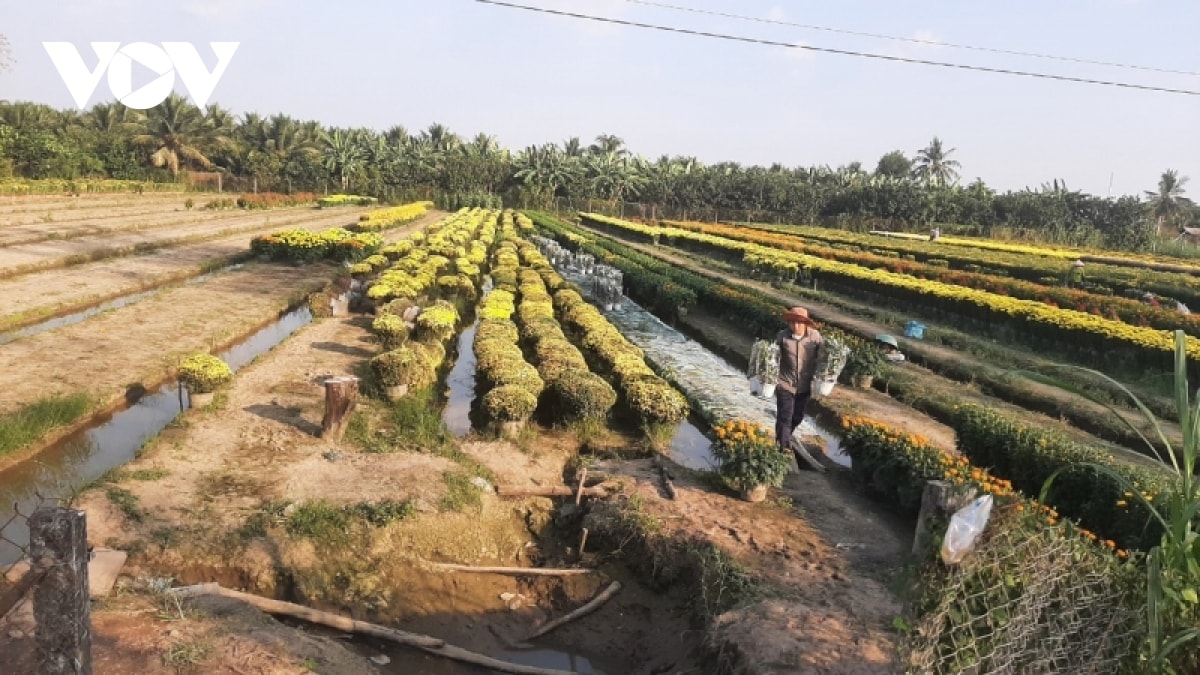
pixel 655 401
pixel 509 404
pixel 438 322
pixel 535 331
pixel 391 331
pixel 583 395
pixel 204 373
pixel 402 366
pixel 434 353
pixel 500 329
pixel 518 374
pixel 1027 456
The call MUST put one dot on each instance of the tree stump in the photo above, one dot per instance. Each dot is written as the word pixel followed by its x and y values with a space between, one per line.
pixel 940 500
pixel 341 396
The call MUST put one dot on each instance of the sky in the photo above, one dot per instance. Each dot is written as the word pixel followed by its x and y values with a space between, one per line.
pixel 530 78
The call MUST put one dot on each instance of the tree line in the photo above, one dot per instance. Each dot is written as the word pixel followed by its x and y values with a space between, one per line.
pixel 282 153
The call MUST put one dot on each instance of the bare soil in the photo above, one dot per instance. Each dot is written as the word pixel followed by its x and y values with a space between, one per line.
pixel 44 294
pixel 181 228
pixel 819 608
pixel 29 209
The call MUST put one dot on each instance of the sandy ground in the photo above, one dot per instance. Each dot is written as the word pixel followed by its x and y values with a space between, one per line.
pixel 27 210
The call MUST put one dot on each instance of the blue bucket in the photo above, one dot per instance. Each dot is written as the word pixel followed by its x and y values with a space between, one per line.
pixel 914 329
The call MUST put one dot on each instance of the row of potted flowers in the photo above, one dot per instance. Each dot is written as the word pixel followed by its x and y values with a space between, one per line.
pixel 377 220
pixel 1077 330
pixel 1183 286
pixel 301 245
pixel 1129 310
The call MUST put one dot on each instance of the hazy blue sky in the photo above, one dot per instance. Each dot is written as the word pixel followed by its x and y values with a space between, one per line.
pixel 531 78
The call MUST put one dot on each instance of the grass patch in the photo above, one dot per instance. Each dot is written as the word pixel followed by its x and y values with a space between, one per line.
pixel 724 584
pixel 324 521
pixel 460 492
pixel 146 474
pixel 32 421
pixel 186 654
pixel 126 501
pixel 412 424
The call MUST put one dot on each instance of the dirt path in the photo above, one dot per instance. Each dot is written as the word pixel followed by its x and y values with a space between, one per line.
pixel 918 350
pixel 17 209
pixel 27 257
pixel 40 295
pixel 76 212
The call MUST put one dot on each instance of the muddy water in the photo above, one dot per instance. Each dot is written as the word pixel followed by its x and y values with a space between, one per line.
pixel 115 303
pixel 460 384
pixel 405 661
pixel 110 442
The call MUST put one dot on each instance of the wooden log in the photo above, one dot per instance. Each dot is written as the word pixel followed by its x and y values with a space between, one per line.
pixel 582 611
pixel 341 397
pixel 579 492
pixel 547 491
pixel 582 541
pixel 425 643
pixel 514 571
pixel 939 500
pixel 312 615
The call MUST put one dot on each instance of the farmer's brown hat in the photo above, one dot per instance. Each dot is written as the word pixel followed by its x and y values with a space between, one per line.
pixel 798 314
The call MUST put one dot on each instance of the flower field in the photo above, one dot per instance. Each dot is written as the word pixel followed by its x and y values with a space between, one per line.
pixel 1086 336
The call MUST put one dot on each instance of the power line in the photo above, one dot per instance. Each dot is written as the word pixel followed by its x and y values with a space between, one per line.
pixel 936 43
pixel 843 52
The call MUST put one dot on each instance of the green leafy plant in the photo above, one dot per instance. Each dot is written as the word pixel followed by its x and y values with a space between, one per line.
pixel 1173 566
pixel 391 331
pixel 749 456
pixel 865 360
pixel 509 403
pixel 437 322
pixel 204 373
pixel 402 366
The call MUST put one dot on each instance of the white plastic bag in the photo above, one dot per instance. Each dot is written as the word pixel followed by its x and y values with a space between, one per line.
pixel 965 527
pixel 755 385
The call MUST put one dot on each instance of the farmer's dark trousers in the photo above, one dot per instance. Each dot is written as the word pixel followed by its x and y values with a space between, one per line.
pixel 789 413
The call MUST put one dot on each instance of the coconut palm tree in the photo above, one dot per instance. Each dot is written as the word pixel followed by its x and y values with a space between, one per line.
pixel 933 165
pixel 176 133
pixel 607 144
pixel 1167 203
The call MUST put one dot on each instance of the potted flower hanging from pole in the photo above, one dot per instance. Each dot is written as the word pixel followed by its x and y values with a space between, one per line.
pixel 832 356
pixel 764 367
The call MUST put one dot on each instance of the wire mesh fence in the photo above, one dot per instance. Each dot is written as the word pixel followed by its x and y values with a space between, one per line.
pixel 44 589
pixel 1027 602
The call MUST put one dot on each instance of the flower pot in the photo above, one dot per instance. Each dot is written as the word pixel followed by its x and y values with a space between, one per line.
pixel 511 430
pixel 755 386
pixel 200 400
pixel 608 306
pixel 863 381
pixel 682 311
pixel 397 392
pixel 755 494
pixel 768 391
pixel 824 387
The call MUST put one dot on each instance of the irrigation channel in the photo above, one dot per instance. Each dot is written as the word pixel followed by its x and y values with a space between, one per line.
pixel 111 441
pixel 721 390
pixel 717 388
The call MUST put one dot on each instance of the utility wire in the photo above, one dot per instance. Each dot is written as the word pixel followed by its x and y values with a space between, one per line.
pixel 843 52
pixel 936 43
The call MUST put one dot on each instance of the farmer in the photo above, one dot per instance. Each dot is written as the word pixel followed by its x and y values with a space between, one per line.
pixel 798 345
pixel 889 347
